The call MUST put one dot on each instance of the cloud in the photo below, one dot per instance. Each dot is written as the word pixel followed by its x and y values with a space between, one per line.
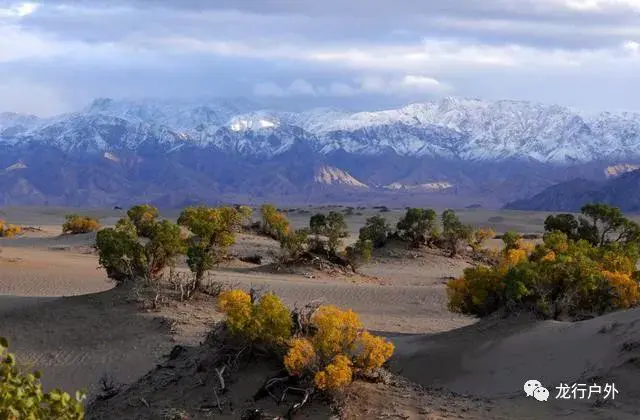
pixel 18 10
pixel 319 51
pixel 408 85
pixel 19 96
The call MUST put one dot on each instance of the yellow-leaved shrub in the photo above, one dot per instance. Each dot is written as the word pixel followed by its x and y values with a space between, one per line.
pixel 372 351
pixel 268 320
pixel 336 330
pixel 236 304
pixel 336 375
pixel 9 231
pixel 301 356
pixel 334 348
pixel 557 279
pixel 338 348
pixel 75 224
pixel 625 289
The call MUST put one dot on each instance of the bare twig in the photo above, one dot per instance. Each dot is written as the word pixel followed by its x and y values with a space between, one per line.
pixel 217 400
pixel 219 373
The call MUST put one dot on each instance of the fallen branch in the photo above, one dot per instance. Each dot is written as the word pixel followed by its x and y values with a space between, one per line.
pixel 297 406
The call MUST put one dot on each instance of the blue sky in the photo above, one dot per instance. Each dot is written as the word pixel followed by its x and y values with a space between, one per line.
pixel 57 55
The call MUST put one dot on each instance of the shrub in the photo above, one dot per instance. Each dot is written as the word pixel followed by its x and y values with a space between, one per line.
pixel 336 331
pixel 237 306
pixel 266 321
pixel 125 257
pixel 335 230
pixel 119 254
pixel 21 395
pixel 372 351
pixel 376 230
pixel 337 349
pixel 274 223
pixel 624 289
pixel 295 242
pixel 318 224
pixel 301 356
pixel 331 346
pixel 75 224
pixel 271 320
pixel 479 237
pixel 213 233
pixel 336 375
pixel 9 231
pixel 358 254
pixel 510 240
pixel 559 278
pixel 418 226
pixel 454 232
pixel 143 218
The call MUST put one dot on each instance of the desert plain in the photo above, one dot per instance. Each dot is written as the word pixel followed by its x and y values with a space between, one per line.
pixel 63 316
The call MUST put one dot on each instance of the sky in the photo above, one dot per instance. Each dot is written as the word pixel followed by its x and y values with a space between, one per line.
pixel 58 55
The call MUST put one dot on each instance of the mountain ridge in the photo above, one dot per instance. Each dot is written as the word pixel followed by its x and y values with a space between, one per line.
pixel 464 128
pixel 452 151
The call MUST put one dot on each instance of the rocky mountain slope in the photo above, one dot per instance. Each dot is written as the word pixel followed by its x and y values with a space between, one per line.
pixel 622 192
pixel 173 151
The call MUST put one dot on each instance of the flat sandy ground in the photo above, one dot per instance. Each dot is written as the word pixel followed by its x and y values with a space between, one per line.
pixel 60 314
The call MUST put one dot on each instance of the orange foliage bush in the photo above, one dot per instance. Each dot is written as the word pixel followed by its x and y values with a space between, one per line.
pixel 301 356
pixel 336 330
pixel 336 350
pixel 336 375
pixel 625 289
pixel 372 351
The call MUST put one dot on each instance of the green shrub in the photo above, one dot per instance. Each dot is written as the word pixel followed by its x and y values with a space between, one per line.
pixel 418 226
pixel 376 230
pixel 360 253
pixel 22 397
pixel 454 232
pixel 213 232
pixel 125 257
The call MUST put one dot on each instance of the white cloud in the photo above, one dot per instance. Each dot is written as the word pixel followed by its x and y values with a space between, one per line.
pixel 341 89
pixel 18 10
pixel 301 87
pixel 601 5
pixel 405 85
pixel 631 46
pixel 269 89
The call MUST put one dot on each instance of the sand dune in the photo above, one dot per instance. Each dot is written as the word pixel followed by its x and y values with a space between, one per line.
pixel 76 339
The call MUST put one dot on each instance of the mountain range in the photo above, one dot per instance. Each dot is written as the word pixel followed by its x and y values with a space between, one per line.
pixel 570 196
pixel 452 152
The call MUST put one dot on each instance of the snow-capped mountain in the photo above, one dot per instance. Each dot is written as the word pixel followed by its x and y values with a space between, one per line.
pixel 451 128
pixel 493 151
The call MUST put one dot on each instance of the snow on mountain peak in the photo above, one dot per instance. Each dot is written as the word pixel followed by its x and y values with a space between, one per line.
pixel 455 128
